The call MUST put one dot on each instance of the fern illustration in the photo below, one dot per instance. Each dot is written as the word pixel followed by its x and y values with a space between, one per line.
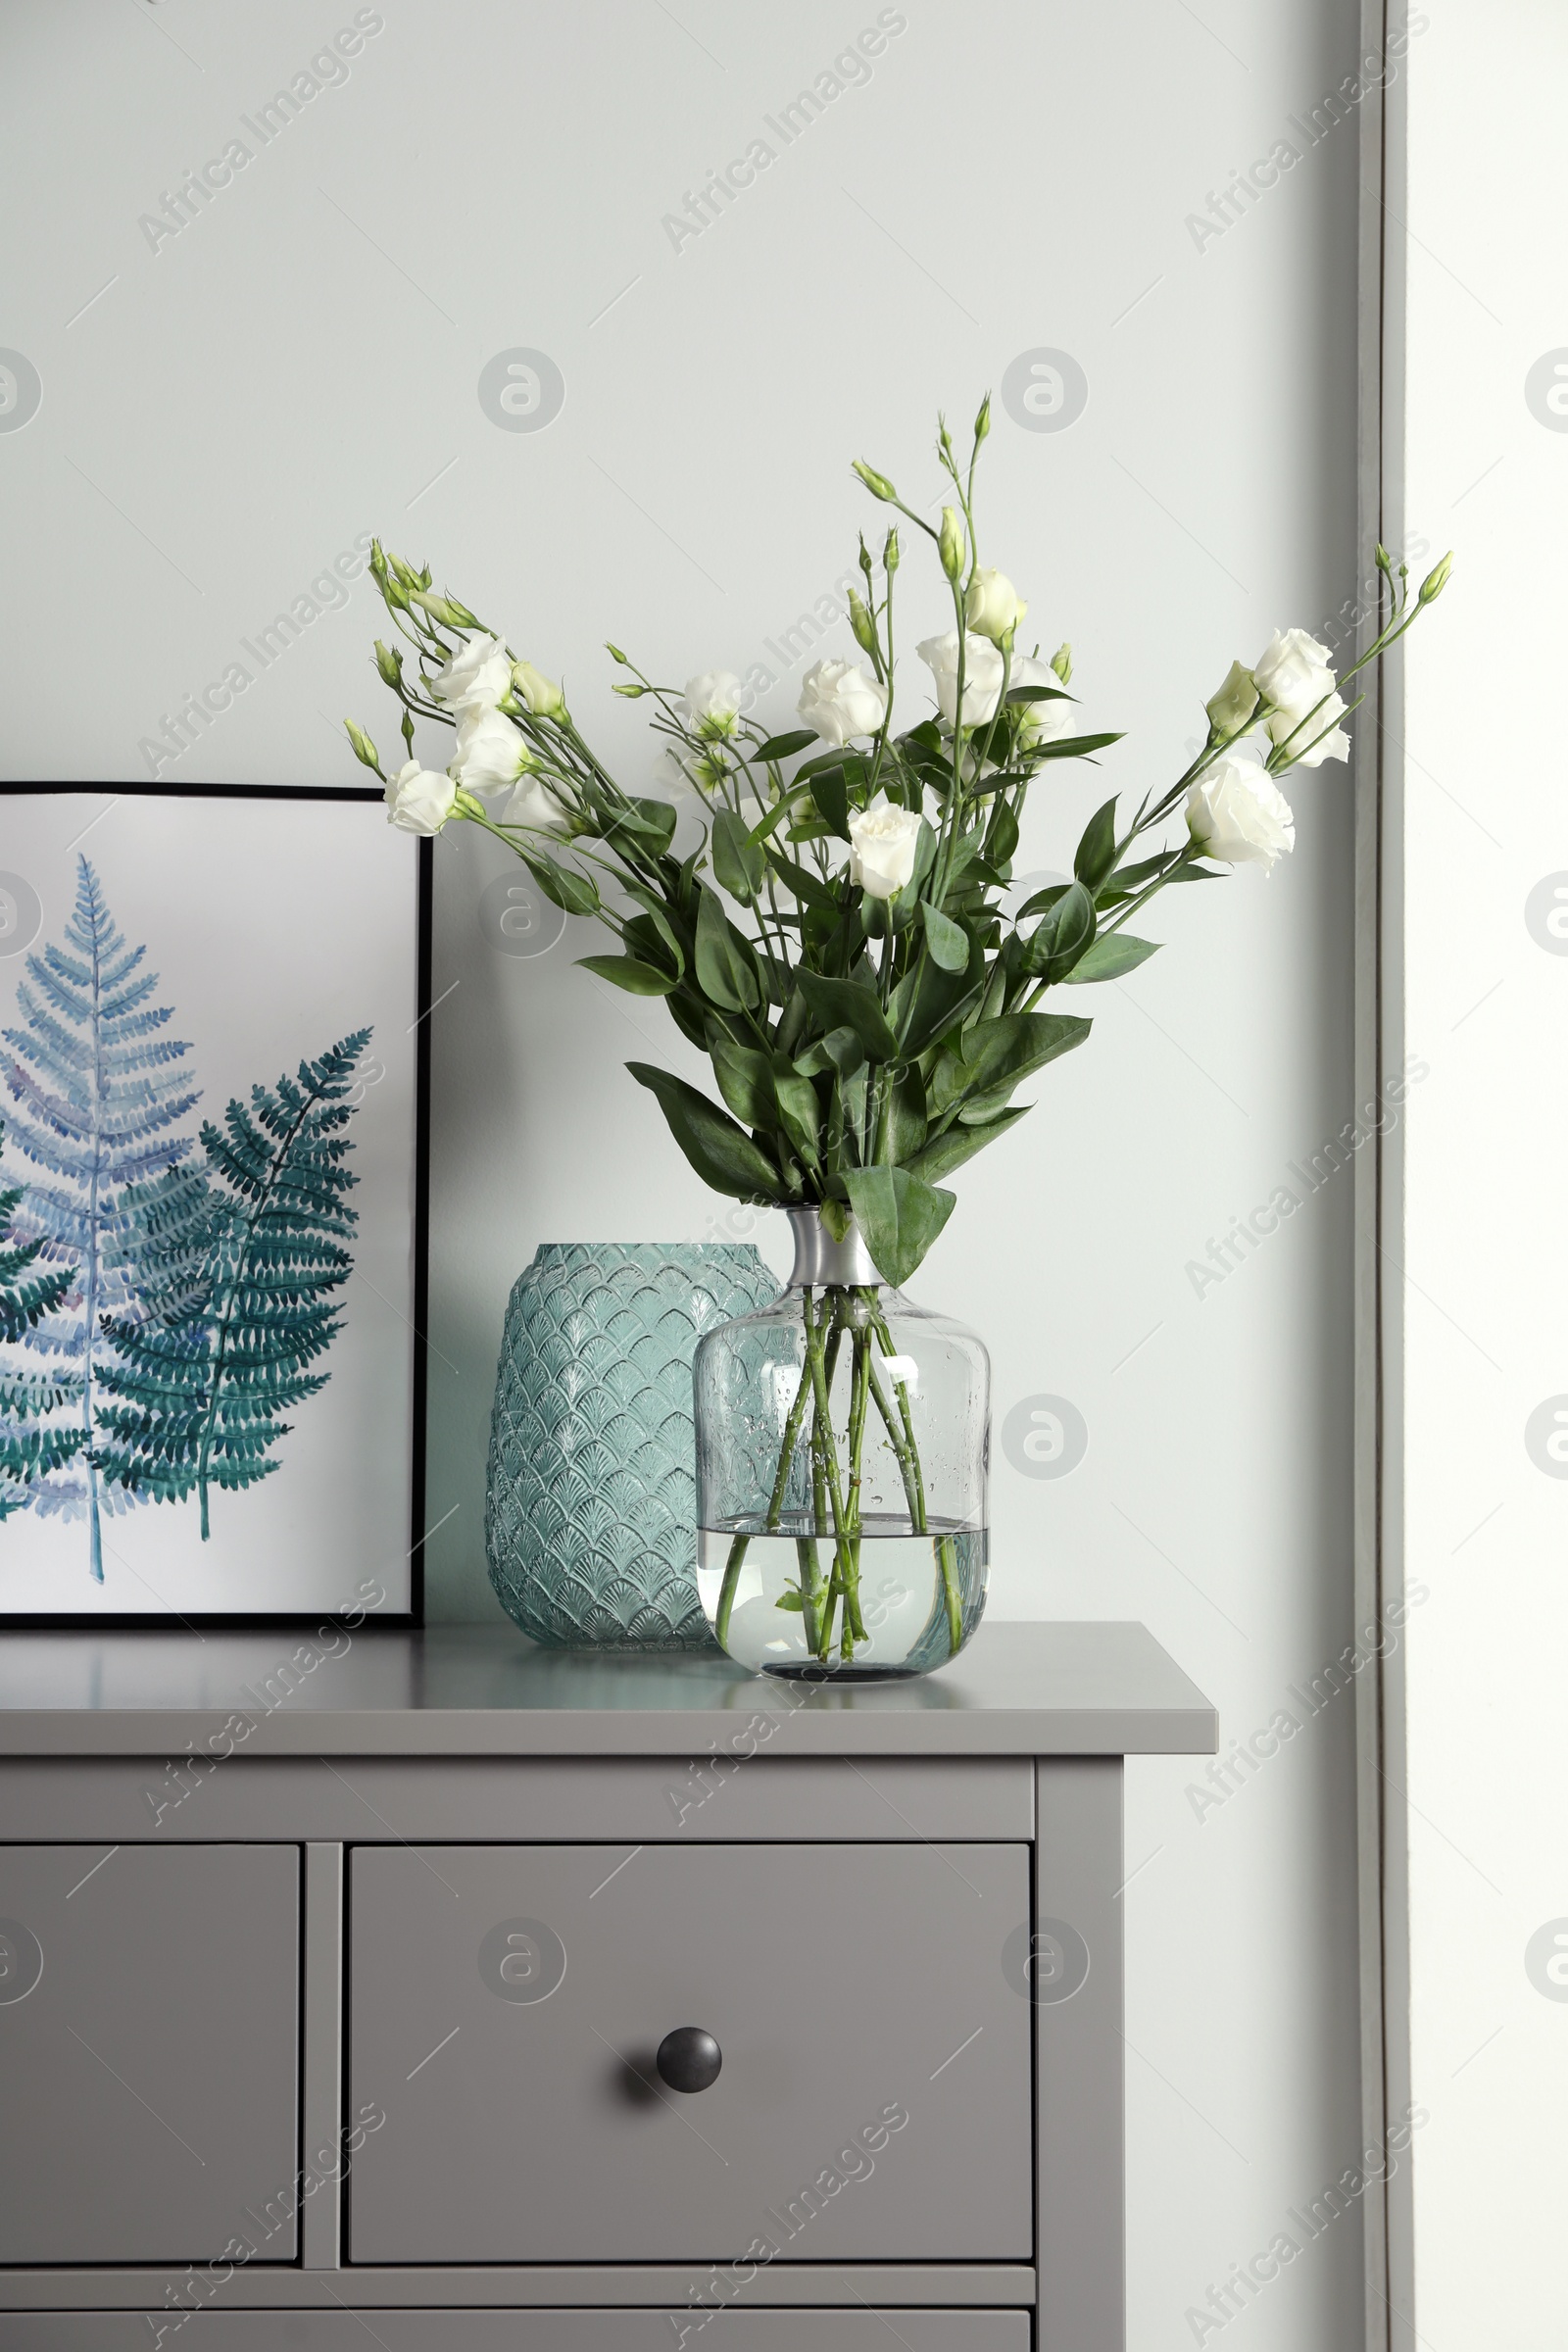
pixel 27 1449
pixel 94 1074
pixel 197 1393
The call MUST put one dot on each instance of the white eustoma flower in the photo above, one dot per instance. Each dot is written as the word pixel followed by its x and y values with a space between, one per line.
pixel 882 843
pixel 542 695
pixel 993 605
pixel 475 678
pixel 534 807
pixel 1293 671
pixel 1043 722
pixel 837 700
pixel 712 700
pixel 1303 733
pixel 982 675
pixel 418 800
pixel 490 753
pixel 1238 814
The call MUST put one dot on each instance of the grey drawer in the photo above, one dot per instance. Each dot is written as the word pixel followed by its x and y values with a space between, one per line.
pixel 344 2330
pixel 148 2051
pixel 874 2101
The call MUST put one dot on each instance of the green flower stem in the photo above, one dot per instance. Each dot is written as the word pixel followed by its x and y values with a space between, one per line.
pixel 908 1456
pixel 737 1550
pixel 822 1426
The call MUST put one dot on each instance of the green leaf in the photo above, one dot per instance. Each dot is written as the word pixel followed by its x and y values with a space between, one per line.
pixel 799 1112
pixel 899 1216
pixel 947 1151
pixel 785 805
pixel 908 1122
pixel 789 1599
pixel 785 747
pixel 1074 747
pixel 637 978
pixel 1064 933
pixel 653 907
pixel 1117 953
pixel 837 1217
pixel 726 972
pixel 648 823
pixel 841 1051
pixel 831 793
pixel 799 881
pixel 745 1079
pixel 723 1154
pixel 1003 837
pixel 572 892
pixel 1039 694
pixel 947 940
pixel 739 865
pixel 926 1006
pixel 1097 851
pixel 997 1055
pixel 846 1003
pixel 1043 900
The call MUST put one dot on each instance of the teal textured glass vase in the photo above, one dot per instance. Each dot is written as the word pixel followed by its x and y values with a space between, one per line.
pixel 591 1501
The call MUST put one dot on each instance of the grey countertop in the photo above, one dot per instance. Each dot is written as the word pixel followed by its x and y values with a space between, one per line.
pixel 1063 1689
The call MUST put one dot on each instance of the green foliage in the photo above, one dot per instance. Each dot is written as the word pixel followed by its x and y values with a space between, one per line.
pixel 862 1018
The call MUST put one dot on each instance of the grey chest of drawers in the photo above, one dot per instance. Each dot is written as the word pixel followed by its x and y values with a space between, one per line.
pixel 431 1990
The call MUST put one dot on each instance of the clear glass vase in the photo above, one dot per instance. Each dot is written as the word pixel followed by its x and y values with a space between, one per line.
pixel 843 1439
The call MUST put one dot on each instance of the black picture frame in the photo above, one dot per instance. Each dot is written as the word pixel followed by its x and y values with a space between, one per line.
pixel 250 1621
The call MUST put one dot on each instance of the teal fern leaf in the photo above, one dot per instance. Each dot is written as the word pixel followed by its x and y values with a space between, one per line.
pixel 199 1392
pixel 28 1449
pixel 100 1097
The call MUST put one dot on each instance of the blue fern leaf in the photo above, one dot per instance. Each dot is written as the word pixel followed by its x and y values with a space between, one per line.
pixel 100 1097
pixel 200 1402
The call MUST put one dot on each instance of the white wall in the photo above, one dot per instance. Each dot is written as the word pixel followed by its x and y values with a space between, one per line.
pixel 1486 1358
pixel 224 409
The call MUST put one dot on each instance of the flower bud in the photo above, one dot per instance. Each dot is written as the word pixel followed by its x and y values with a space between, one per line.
pixel 865 560
pixel 950 543
pixel 615 655
pixel 992 607
pixel 862 624
pixel 1062 663
pixel 389 663
pixel 982 422
pixel 877 483
pixel 404 573
pixel 1382 557
pixel 1234 705
pixel 1436 581
pixel 365 750
pixel 632 693
pixel 442 609
pixel 542 695
pixel 890 553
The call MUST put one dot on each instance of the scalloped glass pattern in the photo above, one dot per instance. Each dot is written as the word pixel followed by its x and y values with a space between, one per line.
pixel 591 1501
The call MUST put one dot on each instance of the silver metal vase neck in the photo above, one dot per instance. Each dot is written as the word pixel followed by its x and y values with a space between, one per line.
pixel 822 1262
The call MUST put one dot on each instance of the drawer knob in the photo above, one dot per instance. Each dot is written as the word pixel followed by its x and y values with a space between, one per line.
pixel 689 2059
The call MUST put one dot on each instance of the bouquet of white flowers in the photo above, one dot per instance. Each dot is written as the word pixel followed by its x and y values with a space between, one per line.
pixel 837 941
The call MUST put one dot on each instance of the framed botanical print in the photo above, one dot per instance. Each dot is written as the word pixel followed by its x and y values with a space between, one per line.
pixel 213 1076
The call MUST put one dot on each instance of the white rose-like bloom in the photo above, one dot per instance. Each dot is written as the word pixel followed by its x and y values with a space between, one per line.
pixel 533 804
pixel 882 840
pixel 1335 743
pixel 1238 814
pixel 712 700
pixel 1293 671
pixel 993 605
pixel 1043 722
pixel 982 675
pixel 542 695
pixel 490 753
pixel 475 678
pixel 837 700
pixel 418 800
